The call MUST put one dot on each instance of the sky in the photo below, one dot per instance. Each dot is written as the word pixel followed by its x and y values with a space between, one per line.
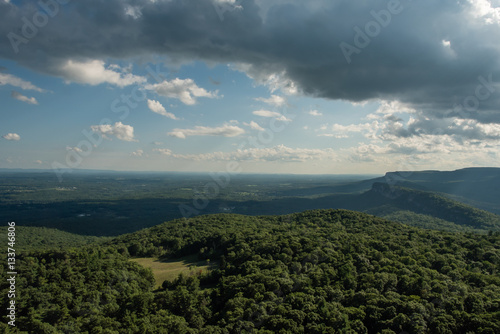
pixel 256 86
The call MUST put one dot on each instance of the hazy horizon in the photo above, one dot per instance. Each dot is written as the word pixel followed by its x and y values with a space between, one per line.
pixel 77 170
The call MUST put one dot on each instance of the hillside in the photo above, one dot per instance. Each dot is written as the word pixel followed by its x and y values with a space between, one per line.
pixel 323 271
pixel 38 238
pixel 390 199
pixel 409 206
pixel 479 187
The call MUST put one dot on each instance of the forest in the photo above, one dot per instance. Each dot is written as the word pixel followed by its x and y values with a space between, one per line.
pixel 320 271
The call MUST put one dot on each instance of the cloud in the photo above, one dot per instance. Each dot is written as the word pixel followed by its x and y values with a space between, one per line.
pixel 457 128
pixel 12 136
pixel 424 152
pixel 133 11
pixel 338 136
pixel 75 148
pixel 137 153
pixel 315 113
pixel 163 151
pixel 423 130
pixel 369 130
pixel 364 127
pixel 388 108
pixel 9 79
pixel 158 108
pixel 93 72
pixel 268 76
pixel 119 130
pixel 388 124
pixel 274 100
pixel 398 132
pixel 406 61
pixel 185 90
pixel 483 9
pixel 279 153
pixel 254 126
pixel 271 114
pixel 21 97
pixel 222 131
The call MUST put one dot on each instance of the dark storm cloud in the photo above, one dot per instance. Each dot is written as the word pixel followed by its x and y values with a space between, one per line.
pixel 429 54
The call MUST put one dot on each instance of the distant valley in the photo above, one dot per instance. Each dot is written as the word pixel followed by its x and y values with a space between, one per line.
pixel 106 204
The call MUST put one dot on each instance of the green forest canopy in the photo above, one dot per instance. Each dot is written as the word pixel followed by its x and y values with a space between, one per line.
pixel 321 271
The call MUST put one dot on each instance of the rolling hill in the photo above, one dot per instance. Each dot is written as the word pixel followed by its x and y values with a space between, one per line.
pixel 409 206
pixel 478 187
pixel 38 238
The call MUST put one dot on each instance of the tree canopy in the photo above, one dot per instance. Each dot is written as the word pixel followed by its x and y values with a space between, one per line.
pixel 321 271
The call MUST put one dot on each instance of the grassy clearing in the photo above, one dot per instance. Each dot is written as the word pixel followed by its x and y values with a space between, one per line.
pixel 170 269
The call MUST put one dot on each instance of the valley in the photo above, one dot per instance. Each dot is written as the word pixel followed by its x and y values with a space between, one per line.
pixel 112 253
pixel 110 204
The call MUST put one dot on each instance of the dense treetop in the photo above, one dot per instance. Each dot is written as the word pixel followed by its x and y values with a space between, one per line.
pixel 321 271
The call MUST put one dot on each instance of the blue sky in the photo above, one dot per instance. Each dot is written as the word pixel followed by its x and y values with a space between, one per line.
pixel 276 86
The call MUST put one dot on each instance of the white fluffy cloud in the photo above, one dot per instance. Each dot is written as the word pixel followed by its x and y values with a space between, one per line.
pixel 158 108
pixel 12 136
pixel 391 108
pixel 402 136
pixel 137 153
pixel 425 152
pixel 254 126
pixel 315 113
pixel 119 130
pixel 22 98
pixel 389 125
pixel 94 72
pixel 9 79
pixel 185 90
pixel 280 153
pixel 271 114
pixel 274 100
pixel 163 151
pixel 369 130
pixel 343 130
pixel 222 131
pixel 484 10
